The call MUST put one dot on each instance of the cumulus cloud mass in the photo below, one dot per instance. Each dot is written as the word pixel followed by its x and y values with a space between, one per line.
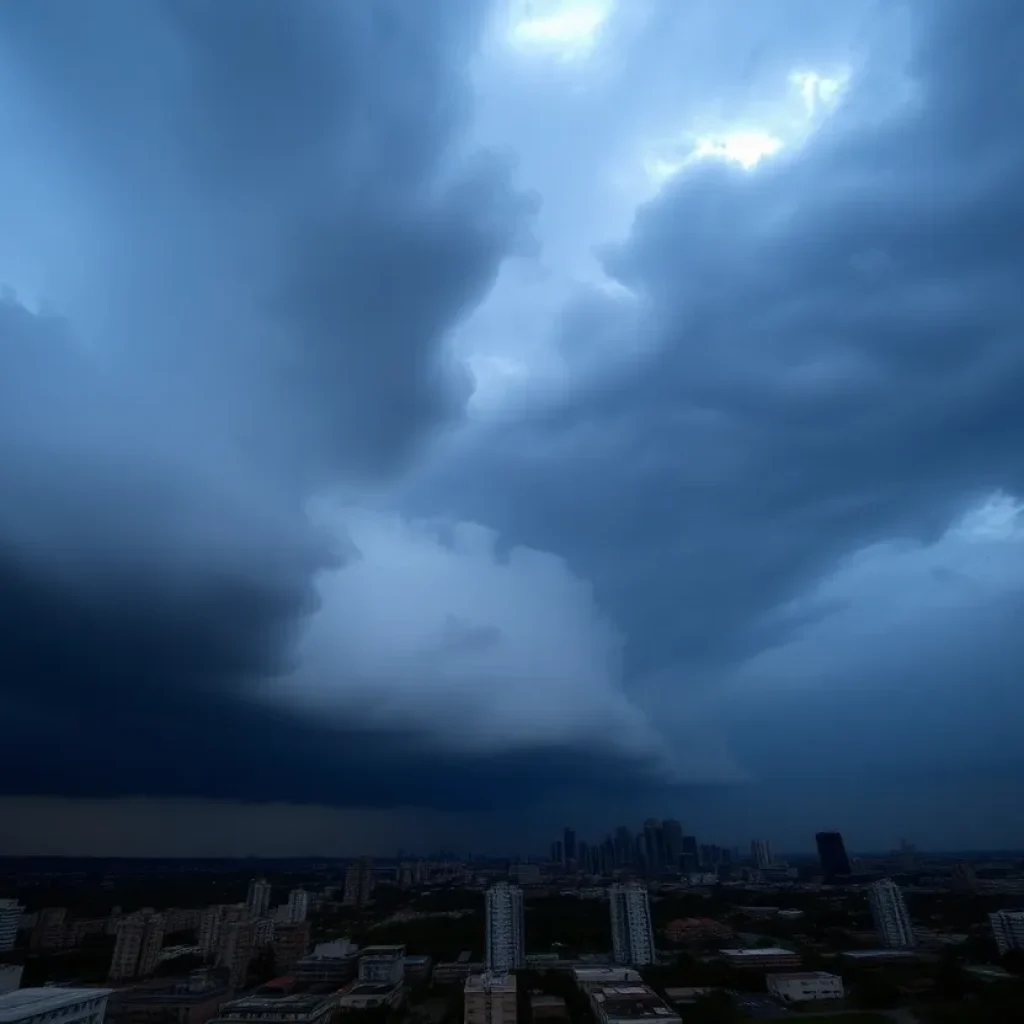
pixel 578 406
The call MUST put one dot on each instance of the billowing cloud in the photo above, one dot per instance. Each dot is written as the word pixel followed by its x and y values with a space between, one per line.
pixel 748 381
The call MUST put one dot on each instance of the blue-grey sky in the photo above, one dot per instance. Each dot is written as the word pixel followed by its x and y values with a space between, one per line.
pixel 448 420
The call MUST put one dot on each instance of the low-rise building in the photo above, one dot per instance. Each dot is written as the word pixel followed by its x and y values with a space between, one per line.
pixel 761 959
pixel 588 977
pixel 805 986
pixel 333 963
pixel 382 965
pixel 416 969
pixel 194 1001
pixel 267 1008
pixel 490 998
pixel 456 971
pixel 629 1003
pixel 369 995
pixel 42 1005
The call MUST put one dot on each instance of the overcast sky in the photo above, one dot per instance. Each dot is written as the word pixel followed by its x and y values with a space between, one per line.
pixel 435 423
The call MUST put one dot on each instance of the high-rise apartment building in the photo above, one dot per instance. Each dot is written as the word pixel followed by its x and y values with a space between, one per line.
pixel 557 852
pixel 48 933
pixel 890 915
pixel 297 907
pixel 237 946
pixel 10 921
pixel 358 882
pixel 506 930
pixel 623 847
pixel 209 929
pixel 1007 929
pixel 632 932
pixel 761 853
pixel 258 900
pixel 832 853
pixel 139 940
pixel 291 943
pixel 490 998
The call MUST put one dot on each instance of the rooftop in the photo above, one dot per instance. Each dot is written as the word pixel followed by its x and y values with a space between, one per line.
pixel 396 950
pixel 303 1002
pixel 865 954
pixel 26 1002
pixel 489 981
pixel 367 988
pixel 754 953
pixel 633 1002
pixel 804 976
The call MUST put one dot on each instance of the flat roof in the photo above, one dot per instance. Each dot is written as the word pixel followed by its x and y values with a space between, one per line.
pixel 397 948
pixel 633 1002
pixel 754 953
pixel 491 981
pixel 299 1002
pixel 804 976
pixel 863 954
pixel 27 1002
pixel 370 988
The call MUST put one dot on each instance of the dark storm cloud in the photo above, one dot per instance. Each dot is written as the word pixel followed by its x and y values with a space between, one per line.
pixel 279 227
pixel 838 361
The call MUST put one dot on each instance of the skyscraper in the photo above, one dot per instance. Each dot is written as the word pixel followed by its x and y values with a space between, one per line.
pixel 297 907
pixel 557 856
pixel 761 853
pixel 569 844
pixel 832 853
pixel 653 847
pixel 890 915
pixel 139 939
pixel 506 930
pixel 258 900
pixel 623 847
pixel 632 932
pixel 672 839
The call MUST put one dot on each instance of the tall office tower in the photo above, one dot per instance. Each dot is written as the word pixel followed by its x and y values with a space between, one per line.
pixel 890 915
pixel 490 998
pixel 506 928
pixel 691 860
pixel 358 882
pixel 1007 929
pixel 710 855
pixel 582 855
pixel 608 856
pixel 832 853
pixel 10 921
pixel 139 940
pixel 623 847
pixel 761 853
pixel 258 900
pixel 653 848
pixel 632 932
pixel 297 907
pixel 557 854
pixel 569 844
pixel 672 838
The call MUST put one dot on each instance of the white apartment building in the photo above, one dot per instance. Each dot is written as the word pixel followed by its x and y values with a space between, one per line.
pixel 506 928
pixel 137 949
pixel 258 900
pixel 358 882
pixel 1007 929
pixel 490 998
pixel 42 1005
pixel 632 933
pixel 890 915
pixel 761 853
pixel 805 986
pixel 10 920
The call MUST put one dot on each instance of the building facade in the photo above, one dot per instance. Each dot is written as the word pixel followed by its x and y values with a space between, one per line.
pixel 358 882
pixel 805 986
pixel 43 1005
pixel 832 853
pixel 490 998
pixel 1007 929
pixel 258 900
pixel 10 922
pixel 139 940
pixel 506 929
pixel 890 915
pixel 761 853
pixel 632 932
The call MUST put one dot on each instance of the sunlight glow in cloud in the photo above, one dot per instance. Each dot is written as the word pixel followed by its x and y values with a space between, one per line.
pixel 568 29
pixel 809 99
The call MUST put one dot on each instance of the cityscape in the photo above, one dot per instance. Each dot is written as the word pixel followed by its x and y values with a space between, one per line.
pixel 510 511
pixel 642 927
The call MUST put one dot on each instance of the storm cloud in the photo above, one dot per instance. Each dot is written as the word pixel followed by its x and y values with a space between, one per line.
pixel 404 405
